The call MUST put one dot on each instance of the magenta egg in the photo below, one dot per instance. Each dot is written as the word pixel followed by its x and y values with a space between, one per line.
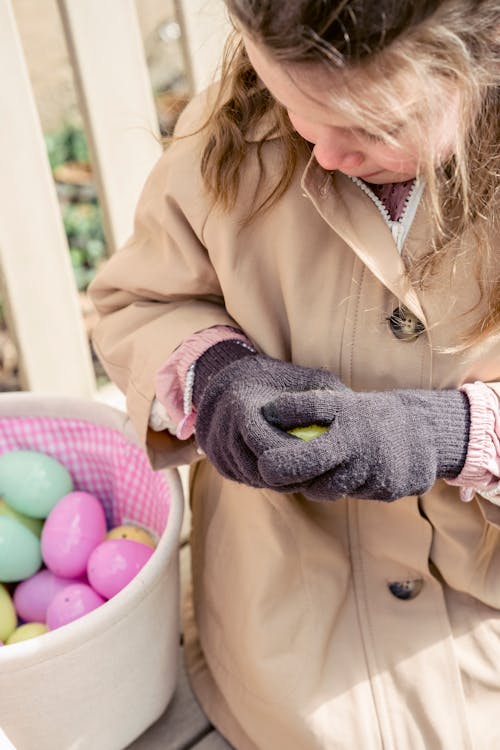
pixel 74 527
pixel 33 596
pixel 114 563
pixel 72 602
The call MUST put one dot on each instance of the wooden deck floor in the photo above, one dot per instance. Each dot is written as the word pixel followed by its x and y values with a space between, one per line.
pixel 183 725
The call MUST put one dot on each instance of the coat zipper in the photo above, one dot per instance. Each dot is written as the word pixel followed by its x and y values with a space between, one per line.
pixel 401 227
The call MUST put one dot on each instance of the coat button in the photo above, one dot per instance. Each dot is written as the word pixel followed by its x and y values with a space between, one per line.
pixel 404 325
pixel 406 589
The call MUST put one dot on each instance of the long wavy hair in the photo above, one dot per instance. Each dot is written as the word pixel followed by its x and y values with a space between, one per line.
pixel 430 40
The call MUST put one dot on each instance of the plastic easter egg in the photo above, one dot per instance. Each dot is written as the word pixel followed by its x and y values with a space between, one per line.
pixel 114 563
pixel 33 596
pixel 71 603
pixel 134 533
pixel 20 555
pixel 26 631
pixel 308 433
pixel 35 525
pixel 32 482
pixel 74 527
pixel 8 618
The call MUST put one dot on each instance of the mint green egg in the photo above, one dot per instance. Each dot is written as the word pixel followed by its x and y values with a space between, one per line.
pixel 20 554
pixel 33 524
pixel 32 482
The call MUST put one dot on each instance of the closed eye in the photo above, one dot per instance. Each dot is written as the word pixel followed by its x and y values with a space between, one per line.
pixel 380 137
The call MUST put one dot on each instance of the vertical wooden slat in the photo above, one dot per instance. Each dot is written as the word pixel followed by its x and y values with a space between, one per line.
pixel 42 303
pixel 205 26
pixel 113 83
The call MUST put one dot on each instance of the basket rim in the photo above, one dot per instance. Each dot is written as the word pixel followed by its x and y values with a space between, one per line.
pixel 29 404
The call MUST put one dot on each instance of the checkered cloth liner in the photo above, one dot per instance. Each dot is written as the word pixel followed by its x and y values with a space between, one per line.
pixel 101 461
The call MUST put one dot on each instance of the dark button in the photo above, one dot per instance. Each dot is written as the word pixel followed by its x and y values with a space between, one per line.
pixel 406 589
pixel 404 325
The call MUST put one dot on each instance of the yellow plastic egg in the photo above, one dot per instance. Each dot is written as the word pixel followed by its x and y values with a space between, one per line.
pixel 308 433
pixel 8 618
pixel 134 533
pixel 27 631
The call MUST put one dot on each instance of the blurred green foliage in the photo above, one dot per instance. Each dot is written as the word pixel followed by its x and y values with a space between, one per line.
pixel 82 216
pixel 67 144
pixel 83 226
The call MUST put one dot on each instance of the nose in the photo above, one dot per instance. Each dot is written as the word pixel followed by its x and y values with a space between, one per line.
pixel 336 153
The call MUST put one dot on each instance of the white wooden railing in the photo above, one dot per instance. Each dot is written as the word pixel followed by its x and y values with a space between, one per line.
pixel 107 56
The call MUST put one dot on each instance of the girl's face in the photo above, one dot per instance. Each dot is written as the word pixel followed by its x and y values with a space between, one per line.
pixel 340 143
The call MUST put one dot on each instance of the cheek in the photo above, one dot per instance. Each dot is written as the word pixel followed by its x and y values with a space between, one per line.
pixel 306 129
pixel 392 157
pixel 444 141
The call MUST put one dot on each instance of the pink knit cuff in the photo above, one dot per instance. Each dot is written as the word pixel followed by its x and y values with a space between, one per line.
pixel 481 471
pixel 174 381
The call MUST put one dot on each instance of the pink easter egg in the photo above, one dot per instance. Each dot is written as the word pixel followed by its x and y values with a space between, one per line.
pixel 74 527
pixel 114 563
pixel 72 602
pixel 33 596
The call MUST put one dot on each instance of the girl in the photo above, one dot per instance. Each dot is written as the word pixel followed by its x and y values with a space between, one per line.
pixel 319 245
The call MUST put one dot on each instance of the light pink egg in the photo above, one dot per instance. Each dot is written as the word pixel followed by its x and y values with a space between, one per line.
pixel 114 563
pixel 33 596
pixel 72 602
pixel 74 527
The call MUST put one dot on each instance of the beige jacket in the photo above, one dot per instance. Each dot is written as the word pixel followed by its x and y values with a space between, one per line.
pixel 295 633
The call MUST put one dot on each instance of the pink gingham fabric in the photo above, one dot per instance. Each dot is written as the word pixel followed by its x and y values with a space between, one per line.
pixel 101 461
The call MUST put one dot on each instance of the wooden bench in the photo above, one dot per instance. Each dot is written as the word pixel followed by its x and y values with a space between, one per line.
pixel 39 292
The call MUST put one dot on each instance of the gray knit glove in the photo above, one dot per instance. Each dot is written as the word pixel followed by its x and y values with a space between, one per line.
pixel 231 386
pixel 378 445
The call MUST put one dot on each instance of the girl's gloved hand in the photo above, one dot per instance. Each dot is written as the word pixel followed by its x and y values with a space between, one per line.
pixel 231 386
pixel 382 445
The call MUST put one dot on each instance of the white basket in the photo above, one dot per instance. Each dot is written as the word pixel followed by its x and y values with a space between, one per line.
pixel 99 682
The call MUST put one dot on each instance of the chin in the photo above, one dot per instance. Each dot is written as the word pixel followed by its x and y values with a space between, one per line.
pixel 384 178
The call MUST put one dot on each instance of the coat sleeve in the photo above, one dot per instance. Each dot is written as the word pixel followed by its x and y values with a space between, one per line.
pixel 160 288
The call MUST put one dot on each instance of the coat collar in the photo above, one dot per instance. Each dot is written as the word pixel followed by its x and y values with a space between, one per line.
pixel 355 218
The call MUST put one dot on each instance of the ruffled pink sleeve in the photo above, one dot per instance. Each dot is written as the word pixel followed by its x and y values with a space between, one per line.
pixel 481 471
pixel 174 381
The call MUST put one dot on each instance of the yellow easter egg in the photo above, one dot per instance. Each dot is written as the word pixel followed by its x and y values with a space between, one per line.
pixel 134 533
pixel 26 631
pixel 8 617
pixel 308 433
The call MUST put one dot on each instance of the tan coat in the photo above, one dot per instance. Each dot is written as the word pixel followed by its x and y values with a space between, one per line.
pixel 293 637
